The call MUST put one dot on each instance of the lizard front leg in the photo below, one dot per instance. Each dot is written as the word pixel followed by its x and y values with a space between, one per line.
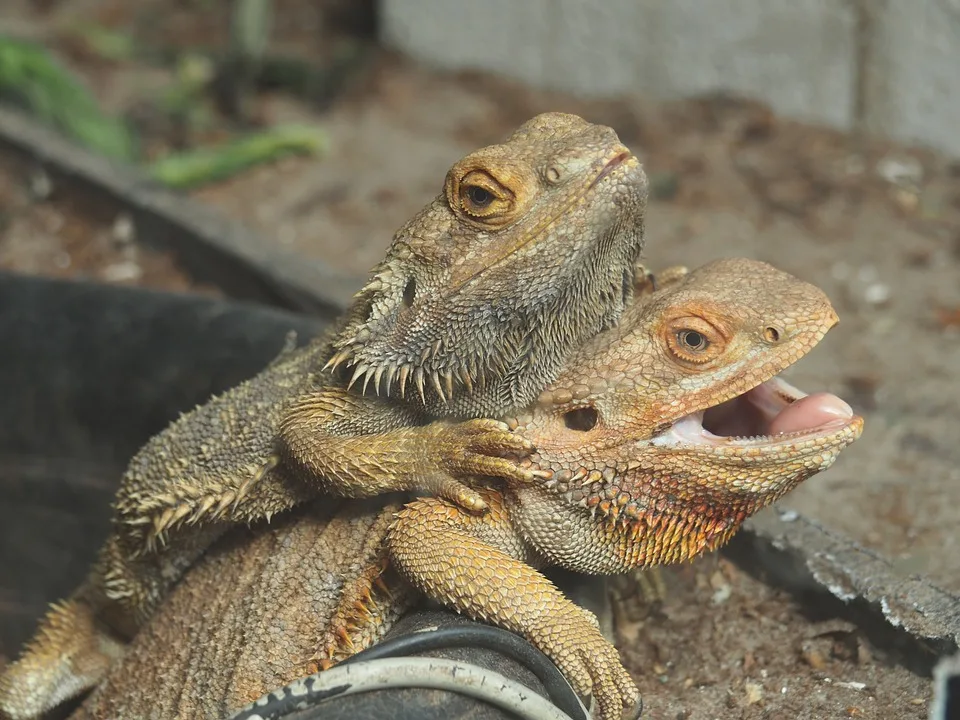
pixel 343 442
pixel 330 440
pixel 478 565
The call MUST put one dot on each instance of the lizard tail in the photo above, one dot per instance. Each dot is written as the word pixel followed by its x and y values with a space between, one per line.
pixel 68 654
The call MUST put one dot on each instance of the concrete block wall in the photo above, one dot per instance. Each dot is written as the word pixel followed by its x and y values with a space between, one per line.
pixel 889 66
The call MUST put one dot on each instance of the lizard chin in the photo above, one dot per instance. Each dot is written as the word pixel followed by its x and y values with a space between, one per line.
pixel 772 416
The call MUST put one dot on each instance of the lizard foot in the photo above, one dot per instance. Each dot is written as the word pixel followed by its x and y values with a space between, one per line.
pixel 589 662
pixel 369 605
pixel 479 448
pixel 652 586
pixel 67 655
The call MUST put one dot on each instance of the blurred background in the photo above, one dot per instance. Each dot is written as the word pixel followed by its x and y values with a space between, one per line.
pixel 820 136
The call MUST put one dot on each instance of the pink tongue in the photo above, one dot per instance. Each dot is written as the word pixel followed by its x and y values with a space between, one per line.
pixel 810 412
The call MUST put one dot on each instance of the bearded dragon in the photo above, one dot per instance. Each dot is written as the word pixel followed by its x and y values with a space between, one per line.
pixel 639 441
pixel 528 252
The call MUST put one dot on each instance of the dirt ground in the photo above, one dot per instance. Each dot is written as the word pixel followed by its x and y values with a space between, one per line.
pixel 723 645
pixel 876 225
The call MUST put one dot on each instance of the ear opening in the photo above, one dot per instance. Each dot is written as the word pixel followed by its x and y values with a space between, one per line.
pixel 581 419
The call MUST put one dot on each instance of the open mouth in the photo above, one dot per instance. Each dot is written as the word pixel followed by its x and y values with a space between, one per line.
pixel 770 414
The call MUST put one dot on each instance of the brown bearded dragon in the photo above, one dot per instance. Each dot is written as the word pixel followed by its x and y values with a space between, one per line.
pixel 656 442
pixel 528 252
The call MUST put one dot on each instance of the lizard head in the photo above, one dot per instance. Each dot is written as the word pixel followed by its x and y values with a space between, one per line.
pixel 528 252
pixel 670 430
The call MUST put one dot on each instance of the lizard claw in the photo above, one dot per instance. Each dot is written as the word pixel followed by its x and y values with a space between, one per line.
pixel 612 688
pixel 485 448
pixel 635 711
pixel 593 667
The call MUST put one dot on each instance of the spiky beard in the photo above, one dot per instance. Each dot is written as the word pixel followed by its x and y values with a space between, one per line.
pixel 466 372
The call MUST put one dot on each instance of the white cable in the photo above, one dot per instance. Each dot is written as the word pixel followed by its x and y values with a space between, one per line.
pixel 430 673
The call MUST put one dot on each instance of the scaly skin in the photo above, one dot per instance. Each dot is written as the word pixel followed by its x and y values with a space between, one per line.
pixel 651 500
pixel 249 615
pixel 528 252
pixel 632 480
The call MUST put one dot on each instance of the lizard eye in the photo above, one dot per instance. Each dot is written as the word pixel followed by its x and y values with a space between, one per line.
pixel 694 341
pixel 480 197
pixel 582 419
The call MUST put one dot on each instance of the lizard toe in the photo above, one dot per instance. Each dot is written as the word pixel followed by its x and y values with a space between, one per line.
pixel 470 500
pixel 503 443
pixel 482 426
pixel 492 437
pixel 461 495
pixel 612 688
pixel 498 467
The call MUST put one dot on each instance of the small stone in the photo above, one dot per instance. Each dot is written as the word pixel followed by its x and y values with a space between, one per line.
pixel 852 685
pixel 722 589
pixel 813 658
pixel 124 231
pixel 753 692
pixel 901 171
pixel 721 595
pixel 877 294
pixel 717 580
pixel 122 272
pixel 906 200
